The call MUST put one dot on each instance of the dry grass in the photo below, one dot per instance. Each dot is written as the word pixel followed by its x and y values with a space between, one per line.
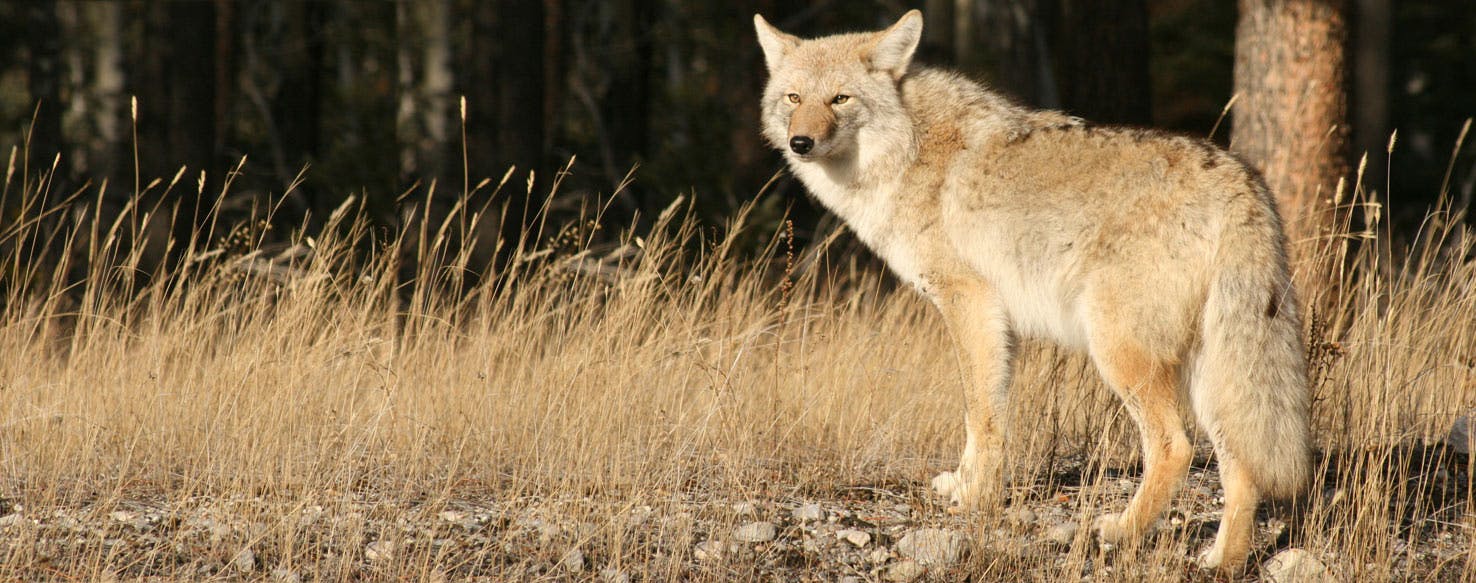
pixel 302 401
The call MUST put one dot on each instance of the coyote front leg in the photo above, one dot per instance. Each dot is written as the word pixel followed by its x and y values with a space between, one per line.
pixel 981 335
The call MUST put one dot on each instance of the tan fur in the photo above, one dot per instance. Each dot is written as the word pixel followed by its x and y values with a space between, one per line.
pixel 812 119
pixel 1163 257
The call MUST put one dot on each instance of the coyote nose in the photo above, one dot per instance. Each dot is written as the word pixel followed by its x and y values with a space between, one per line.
pixel 801 144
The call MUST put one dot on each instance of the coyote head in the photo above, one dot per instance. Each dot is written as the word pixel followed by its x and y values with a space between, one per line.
pixel 823 93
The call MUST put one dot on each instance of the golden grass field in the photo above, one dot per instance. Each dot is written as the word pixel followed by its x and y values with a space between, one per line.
pixel 300 410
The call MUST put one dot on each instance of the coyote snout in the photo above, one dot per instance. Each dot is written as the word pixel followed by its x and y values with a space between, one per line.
pixel 1157 255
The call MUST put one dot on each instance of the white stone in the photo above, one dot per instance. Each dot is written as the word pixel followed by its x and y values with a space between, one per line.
pixel 572 561
pixel 1020 516
pixel 452 515
pixel 380 550
pixel 933 546
pixel 1062 533
pixel 905 571
pixel 1296 566
pixel 245 561
pixel 755 532
pixel 808 513
pixel 1461 439
pixel 708 550
pixel 857 538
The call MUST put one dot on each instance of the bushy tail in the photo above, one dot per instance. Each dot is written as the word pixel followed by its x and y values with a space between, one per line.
pixel 1249 387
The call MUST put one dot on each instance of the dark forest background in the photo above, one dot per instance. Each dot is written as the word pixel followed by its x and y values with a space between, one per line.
pixel 366 94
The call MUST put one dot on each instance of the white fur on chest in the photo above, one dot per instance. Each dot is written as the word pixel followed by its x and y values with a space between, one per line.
pixel 871 214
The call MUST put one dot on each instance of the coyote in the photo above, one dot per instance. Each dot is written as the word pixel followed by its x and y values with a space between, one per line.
pixel 1161 256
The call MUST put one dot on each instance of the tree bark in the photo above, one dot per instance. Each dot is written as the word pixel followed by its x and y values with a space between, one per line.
pixel 1290 117
pixel 298 104
pixel 94 125
pixel 1103 60
pixel 1370 99
pixel 424 122
pixel 519 74
pixel 1014 36
pixel 627 104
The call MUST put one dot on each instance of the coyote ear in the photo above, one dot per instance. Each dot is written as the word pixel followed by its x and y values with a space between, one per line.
pixel 775 42
pixel 894 47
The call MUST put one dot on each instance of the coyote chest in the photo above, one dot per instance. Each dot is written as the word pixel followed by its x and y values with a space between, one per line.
pixel 873 215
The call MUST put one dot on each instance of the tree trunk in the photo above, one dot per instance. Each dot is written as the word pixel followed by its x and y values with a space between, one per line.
pixel 1103 60
pixel 1014 36
pixel 519 69
pixel 627 103
pixel 297 105
pixel 424 123
pixel 94 124
pixel 1370 99
pixel 1290 117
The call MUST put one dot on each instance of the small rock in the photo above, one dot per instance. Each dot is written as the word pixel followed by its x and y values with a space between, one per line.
pixel 708 550
pixel 1461 439
pixel 809 513
pixel 452 515
pixel 1063 533
pixel 285 575
pixel 572 561
pixel 932 546
pixel 613 575
pixel 1295 566
pixel 905 571
pixel 245 561
pixel 856 537
pixel 755 532
pixel 745 509
pixel 1020 517
pixel 380 550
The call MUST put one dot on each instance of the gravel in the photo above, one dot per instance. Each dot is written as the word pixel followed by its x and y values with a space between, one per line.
pixel 898 533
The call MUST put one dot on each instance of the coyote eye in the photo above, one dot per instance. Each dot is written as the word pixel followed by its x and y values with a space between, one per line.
pixel 792 97
pixel 839 99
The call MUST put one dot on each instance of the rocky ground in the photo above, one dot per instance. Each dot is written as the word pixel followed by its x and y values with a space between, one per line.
pixel 862 533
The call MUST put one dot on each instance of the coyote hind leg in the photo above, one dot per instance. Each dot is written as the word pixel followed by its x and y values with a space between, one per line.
pixel 1149 389
pixel 980 333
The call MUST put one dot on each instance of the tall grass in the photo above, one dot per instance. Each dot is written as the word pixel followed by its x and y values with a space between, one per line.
pixel 305 399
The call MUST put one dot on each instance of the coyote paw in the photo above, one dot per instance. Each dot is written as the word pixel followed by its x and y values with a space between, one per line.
pixel 946 484
pixel 1110 529
pixel 1212 557
pixel 966 495
pixel 1215 559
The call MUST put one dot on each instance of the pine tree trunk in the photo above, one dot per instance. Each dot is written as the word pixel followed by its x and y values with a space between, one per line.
pixel 95 125
pixel 1290 117
pixel 425 123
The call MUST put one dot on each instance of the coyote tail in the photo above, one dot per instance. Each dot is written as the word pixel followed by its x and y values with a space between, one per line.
pixel 1249 387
